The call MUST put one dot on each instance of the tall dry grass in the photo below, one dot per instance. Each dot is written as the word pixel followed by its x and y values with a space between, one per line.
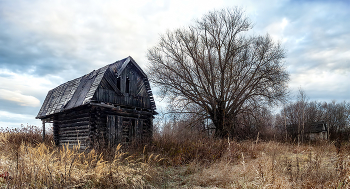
pixel 28 134
pixel 172 162
pixel 225 163
pixel 276 165
pixel 205 150
pixel 36 164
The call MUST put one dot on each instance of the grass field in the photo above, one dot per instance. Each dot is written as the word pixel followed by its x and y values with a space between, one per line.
pixel 28 162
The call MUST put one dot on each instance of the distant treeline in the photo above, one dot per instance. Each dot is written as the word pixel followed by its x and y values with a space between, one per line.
pixel 336 116
pixel 263 124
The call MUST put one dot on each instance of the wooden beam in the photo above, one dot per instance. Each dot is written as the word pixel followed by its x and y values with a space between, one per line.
pixel 43 130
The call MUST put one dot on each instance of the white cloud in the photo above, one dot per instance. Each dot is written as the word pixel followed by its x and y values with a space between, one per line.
pixel 321 84
pixel 276 30
pixel 333 59
pixel 26 84
pixel 4 114
pixel 20 99
pixel 284 23
pixel 13 120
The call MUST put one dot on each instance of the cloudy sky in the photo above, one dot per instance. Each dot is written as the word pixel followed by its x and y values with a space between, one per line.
pixel 46 43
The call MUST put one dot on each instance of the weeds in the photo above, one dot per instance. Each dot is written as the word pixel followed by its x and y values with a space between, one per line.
pixel 167 162
pixel 39 165
pixel 279 166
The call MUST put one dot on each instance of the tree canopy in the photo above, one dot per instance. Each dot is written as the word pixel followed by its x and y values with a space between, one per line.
pixel 215 66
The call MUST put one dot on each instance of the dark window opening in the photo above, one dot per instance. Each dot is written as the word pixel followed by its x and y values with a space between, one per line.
pixel 118 83
pixel 127 85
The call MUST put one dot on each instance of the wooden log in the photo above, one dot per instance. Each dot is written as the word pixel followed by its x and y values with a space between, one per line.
pixel 67 129
pixel 72 115
pixel 75 129
pixel 75 132
pixel 72 120
pixel 73 139
pixel 81 123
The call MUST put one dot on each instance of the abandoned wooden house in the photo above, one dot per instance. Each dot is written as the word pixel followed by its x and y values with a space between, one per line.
pixel 315 131
pixel 111 105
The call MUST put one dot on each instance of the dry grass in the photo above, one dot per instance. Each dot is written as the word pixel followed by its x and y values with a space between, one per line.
pixel 185 151
pixel 44 166
pixel 200 163
pixel 276 165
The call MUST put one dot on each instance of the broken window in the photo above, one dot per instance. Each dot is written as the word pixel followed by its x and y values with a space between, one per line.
pixel 127 85
pixel 118 83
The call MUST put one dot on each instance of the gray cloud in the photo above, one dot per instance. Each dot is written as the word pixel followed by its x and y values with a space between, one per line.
pixel 46 43
pixel 317 28
pixel 13 107
pixel 318 53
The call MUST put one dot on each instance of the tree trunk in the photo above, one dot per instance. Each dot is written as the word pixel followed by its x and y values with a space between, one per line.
pixel 223 124
pixel 218 118
pixel 219 126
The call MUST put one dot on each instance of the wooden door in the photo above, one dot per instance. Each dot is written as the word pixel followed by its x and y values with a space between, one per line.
pixel 114 130
pixel 129 130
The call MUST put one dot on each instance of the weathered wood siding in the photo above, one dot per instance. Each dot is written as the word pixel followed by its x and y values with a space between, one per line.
pixel 109 91
pixel 72 127
pixel 114 126
pixel 101 125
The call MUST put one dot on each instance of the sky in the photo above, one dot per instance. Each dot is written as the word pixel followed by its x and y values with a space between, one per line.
pixel 46 43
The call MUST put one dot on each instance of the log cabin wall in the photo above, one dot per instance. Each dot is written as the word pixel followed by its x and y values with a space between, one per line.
pixel 72 126
pixel 99 127
pixel 120 125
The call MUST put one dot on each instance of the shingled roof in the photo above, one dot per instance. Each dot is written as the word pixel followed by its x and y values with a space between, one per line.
pixel 79 91
pixel 316 127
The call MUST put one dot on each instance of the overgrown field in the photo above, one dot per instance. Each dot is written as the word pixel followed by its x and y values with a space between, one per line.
pixel 27 162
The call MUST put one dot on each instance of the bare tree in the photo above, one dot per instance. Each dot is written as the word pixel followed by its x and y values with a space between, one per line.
pixel 298 116
pixel 214 66
pixel 302 103
pixel 337 118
